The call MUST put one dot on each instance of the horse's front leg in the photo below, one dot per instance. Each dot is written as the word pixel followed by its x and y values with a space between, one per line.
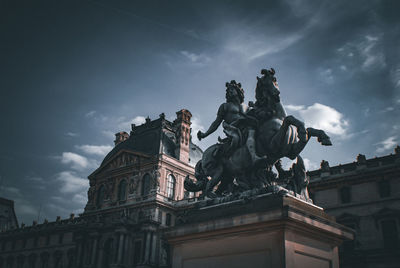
pixel 296 147
pixel 321 136
pixel 216 177
pixel 301 129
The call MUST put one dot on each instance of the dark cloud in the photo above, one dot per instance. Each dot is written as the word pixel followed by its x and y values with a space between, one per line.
pixel 75 72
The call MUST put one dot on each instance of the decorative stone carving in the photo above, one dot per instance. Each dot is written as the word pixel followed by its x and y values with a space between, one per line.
pixel 109 189
pixel 133 184
pixel 155 175
pixel 91 194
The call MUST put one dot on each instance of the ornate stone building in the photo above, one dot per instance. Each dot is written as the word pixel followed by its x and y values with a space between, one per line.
pixel 8 220
pixel 133 195
pixel 137 191
pixel 365 196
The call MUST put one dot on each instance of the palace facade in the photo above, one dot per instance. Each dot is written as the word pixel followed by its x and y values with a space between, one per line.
pixel 8 219
pixel 365 196
pixel 138 190
pixel 133 196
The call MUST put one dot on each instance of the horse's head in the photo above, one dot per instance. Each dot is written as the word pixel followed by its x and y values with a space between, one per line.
pixel 267 89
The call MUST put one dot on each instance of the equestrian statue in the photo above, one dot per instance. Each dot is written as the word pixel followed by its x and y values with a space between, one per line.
pixel 256 139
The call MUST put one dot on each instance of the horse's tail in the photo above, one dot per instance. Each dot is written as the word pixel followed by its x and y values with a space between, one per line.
pixel 192 186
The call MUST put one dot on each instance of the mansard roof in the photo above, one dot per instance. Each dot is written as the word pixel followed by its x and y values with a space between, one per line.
pixel 152 138
pixel 11 217
pixel 144 139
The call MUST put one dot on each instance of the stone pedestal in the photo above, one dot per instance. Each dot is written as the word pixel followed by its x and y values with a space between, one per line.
pixel 269 230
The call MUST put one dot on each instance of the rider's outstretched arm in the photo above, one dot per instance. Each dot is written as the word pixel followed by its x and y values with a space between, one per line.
pixel 214 125
pixel 212 128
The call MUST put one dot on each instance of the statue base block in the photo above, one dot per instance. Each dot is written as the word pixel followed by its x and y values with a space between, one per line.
pixel 269 230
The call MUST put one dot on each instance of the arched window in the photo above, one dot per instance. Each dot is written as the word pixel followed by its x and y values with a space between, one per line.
pixel 168 219
pixel 10 262
pixel 146 185
pixel 44 257
pixel 58 259
pixel 32 260
pixel 100 196
pixel 20 261
pixel 122 190
pixel 171 186
pixel 70 257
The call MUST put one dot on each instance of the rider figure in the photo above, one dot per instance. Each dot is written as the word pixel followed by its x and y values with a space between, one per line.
pixel 232 114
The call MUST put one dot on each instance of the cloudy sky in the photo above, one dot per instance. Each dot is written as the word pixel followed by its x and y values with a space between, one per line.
pixel 73 73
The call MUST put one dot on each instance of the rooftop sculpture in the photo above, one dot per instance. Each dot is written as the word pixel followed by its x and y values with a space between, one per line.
pixel 256 140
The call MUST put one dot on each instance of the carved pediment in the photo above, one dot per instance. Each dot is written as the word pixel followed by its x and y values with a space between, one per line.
pixel 123 159
pixel 120 160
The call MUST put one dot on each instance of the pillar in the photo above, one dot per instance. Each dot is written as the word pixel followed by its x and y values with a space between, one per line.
pixel 120 248
pixel 154 249
pixel 147 250
pixel 126 250
pixel 94 251
pixel 79 253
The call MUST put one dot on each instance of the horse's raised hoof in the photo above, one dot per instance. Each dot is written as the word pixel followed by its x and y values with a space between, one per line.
pixel 325 140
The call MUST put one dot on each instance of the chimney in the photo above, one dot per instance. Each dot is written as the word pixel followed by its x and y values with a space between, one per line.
pixel 120 137
pixel 182 123
pixel 325 169
pixel 361 159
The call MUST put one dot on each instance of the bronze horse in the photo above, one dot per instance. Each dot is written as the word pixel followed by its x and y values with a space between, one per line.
pixel 277 136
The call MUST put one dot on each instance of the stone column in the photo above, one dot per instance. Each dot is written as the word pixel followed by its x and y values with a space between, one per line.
pixel 99 260
pixel 120 248
pixel 153 249
pixel 147 249
pixel 156 214
pixel 79 254
pixel 116 242
pixel 126 260
pixel 94 251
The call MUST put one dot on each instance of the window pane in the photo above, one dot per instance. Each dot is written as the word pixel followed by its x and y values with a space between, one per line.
pixel 384 188
pixel 345 195
pixel 122 190
pixel 100 196
pixel 146 185
pixel 171 186
pixel 168 219
pixel 389 233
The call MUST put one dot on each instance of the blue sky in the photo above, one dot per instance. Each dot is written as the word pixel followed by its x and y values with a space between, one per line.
pixel 73 73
